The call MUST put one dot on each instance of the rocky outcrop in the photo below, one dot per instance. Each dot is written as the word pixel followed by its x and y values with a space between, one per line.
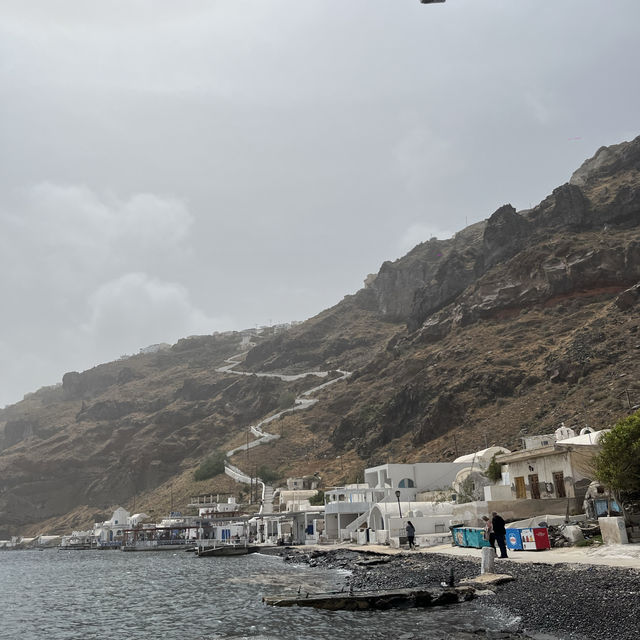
pixel 629 298
pixel 604 192
pixel 566 207
pixel 541 274
pixel 505 234
pixel 18 430
pixel 428 276
pixel 88 383
pixel 608 161
pixel 107 410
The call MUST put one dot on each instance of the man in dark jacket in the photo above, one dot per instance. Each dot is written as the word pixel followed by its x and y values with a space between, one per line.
pixel 500 532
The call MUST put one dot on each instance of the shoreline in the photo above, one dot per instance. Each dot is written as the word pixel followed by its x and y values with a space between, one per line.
pixel 589 594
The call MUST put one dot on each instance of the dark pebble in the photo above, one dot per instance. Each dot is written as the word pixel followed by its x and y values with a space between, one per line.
pixel 568 601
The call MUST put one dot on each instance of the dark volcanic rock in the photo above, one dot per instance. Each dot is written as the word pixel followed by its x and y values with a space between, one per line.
pixel 504 235
pixel 17 430
pixel 107 410
pixel 565 207
pixel 629 298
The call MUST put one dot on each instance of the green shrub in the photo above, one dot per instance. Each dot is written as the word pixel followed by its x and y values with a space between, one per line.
pixel 318 499
pixel 211 466
pixel 617 465
pixel 494 470
pixel 287 399
pixel 266 474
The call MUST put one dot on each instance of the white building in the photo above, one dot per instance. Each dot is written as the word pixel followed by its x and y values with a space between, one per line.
pixel 394 489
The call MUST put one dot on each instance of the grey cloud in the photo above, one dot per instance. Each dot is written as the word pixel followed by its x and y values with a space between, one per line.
pixel 252 160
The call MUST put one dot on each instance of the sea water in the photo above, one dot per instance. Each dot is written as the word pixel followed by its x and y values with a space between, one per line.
pixel 169 595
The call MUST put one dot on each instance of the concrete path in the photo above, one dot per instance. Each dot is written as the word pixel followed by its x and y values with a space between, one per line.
pixel 303 401
pixel 614 555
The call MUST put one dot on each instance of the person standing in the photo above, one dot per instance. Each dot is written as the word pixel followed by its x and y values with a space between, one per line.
pixel 500 533
pixel 488 532
pixel 411 534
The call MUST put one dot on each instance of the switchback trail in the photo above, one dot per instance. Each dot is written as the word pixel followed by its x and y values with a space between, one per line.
pixel 303 401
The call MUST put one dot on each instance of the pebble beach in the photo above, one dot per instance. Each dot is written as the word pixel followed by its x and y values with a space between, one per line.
pixel 563 600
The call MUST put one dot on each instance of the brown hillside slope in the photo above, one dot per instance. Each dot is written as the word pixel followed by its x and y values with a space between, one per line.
pixel 516 324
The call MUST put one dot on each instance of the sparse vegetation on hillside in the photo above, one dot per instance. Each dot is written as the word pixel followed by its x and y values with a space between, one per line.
pixel 212 466
pixel 266 474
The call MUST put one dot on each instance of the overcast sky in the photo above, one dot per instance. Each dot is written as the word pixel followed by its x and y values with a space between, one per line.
pixel 176 168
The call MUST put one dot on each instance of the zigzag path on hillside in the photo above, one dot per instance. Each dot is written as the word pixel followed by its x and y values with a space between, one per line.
pixel 303 401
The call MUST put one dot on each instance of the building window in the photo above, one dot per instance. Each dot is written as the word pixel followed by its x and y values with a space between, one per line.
pixel 406 483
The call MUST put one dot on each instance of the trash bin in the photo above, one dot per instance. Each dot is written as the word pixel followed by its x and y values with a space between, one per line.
pixel 475 538
pixel 514 539
pixel 542 538
pixel 458 536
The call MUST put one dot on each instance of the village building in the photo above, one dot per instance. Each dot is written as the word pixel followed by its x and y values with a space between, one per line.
pixel 557 473
pixel 377 510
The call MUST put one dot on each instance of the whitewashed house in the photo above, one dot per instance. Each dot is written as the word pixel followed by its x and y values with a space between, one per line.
pixel 393 488
pixel 110 532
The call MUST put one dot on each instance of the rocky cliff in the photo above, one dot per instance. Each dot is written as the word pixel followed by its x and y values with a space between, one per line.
pixel 515 324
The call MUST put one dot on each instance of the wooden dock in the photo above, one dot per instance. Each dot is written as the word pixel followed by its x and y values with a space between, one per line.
pixel 386 599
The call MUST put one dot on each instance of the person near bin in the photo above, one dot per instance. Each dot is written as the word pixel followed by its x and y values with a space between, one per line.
pixel 411 534
pixel 500 533
pixel 488 532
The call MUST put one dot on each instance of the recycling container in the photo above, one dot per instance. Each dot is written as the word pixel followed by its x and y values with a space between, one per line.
pixel 514 539
pixel 475 538
pixel 459 537
pixel 541 535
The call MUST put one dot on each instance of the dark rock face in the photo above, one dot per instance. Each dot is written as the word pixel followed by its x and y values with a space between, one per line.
pixel 444 412
pixel 428 277
pixel 504 235
pixel 537 275
pixel 608 161
pixel 17 430
pixel 566 207
pixel 107 410
pixel 629 298
pixel 88 383
pixel 605 191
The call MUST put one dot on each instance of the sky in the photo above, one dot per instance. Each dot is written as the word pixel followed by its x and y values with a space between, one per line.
pixel 179 168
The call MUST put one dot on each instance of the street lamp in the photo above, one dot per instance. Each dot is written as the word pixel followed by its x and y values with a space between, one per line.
pixel 398 497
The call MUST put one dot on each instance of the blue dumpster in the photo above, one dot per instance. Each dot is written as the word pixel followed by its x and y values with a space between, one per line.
pixel 514 539
pixel 475 538
pixel 459 537
pixel 469 537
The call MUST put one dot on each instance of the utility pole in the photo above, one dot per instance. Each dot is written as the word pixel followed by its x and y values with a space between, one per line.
pixel 455 445
pixel 486 442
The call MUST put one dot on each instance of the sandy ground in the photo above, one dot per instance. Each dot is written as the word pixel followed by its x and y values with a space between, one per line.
pixel 615 555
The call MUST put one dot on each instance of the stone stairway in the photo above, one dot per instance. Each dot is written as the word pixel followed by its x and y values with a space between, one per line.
pixel 302 402
pixel 267 500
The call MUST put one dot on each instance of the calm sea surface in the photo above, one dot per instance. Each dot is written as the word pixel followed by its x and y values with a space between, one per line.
pixel 165 595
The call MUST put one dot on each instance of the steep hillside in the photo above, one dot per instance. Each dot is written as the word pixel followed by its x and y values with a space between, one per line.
pixel 514 325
